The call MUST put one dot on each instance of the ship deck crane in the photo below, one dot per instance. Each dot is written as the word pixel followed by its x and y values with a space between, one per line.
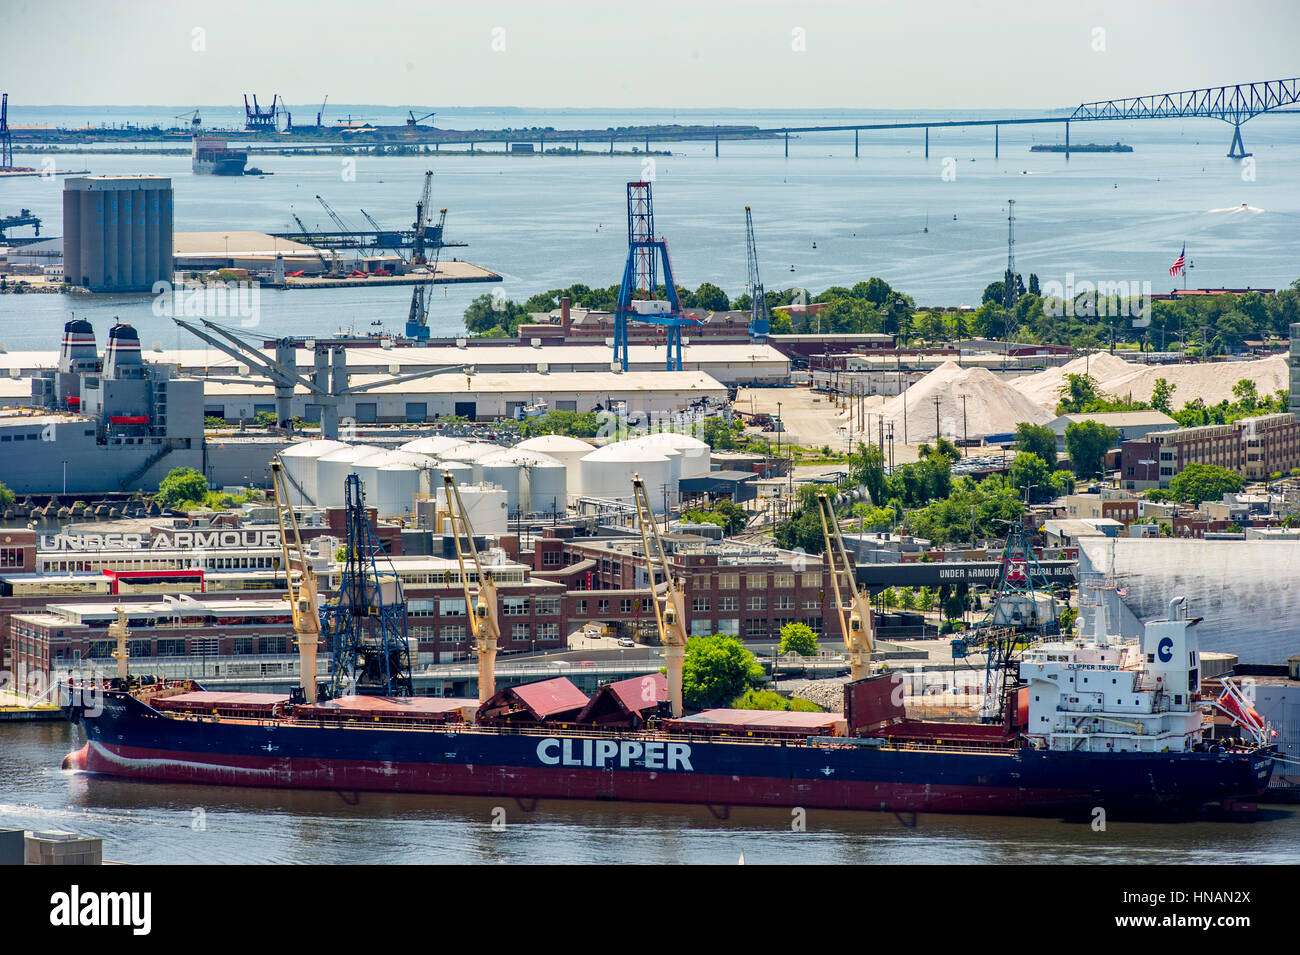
pixel 482 602
pixel 759 320
pixel 670 607
pixel 857 622
pixel 192 116
pixel 304 599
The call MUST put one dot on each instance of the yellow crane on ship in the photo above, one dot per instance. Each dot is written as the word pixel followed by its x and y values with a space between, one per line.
pixel 857 622
pixel 670 607
pixel 482 603
pixel 303 596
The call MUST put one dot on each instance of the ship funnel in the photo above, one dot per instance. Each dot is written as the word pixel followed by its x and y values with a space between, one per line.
pixel 1176 607
pixel 77 353
pixel 122 359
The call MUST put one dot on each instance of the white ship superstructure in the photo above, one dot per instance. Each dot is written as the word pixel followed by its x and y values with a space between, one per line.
pixel 1109 694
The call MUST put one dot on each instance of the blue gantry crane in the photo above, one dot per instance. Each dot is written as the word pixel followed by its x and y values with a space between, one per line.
pixel 637 296
pixel 364 622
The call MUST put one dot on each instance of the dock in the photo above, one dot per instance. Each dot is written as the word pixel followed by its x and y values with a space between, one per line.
pixel 16 709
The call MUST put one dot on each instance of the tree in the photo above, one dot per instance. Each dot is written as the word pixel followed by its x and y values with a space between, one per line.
pixel 1029 471
pixel 867 469
pixel 1247 394
pixel 798 638
pixel 1037 439
pixel 1204 482
pixel 768 700
pixel 1077 394
pixel 1086 442
pixel 1162 393
pixel 1061 482
pixel 717 670
pixel 711 298
pixel 6 496
pixel 182 486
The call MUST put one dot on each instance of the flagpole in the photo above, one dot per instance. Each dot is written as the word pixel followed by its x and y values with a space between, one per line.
pixel 1184 266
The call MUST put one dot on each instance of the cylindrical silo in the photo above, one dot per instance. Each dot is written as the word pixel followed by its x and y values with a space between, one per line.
pixel 433 445
pixel 486 508
pixel 470 452
pixel 510 469
pixel 299 462
pixel 332 470
pixel 607 473
pixel 395 487
pixel 568 451
pixel 548 488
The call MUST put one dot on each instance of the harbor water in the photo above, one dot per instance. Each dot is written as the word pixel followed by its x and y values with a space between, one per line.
pixel 934 228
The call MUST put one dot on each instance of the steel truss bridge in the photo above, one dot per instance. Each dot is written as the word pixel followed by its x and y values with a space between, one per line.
pixel 1233 104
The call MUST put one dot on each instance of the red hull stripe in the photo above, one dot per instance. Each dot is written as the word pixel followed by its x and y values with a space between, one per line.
pixel 557 782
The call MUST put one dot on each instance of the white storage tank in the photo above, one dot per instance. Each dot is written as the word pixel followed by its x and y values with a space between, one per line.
pixel 470 452
pixel 548 489
pixel 394 489
pixel 696 454
pixel 485 506
pixel 332 470
pixel 431 480
pixel 433 445
pixel 299 461
pixel 568 451
pixel 512 469
pixel 607 473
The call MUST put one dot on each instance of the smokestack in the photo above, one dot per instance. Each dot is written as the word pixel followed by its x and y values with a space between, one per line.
pixel 564 315
pixel 122 358
pixel 77 353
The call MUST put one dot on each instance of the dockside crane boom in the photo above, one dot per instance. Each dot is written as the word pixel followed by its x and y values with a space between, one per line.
pixel 670 608
pixel 482 603
pixel 759 319
pixel 304 600
pixel 856 620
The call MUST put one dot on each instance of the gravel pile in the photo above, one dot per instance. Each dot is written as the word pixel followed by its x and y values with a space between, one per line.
pixel 828 694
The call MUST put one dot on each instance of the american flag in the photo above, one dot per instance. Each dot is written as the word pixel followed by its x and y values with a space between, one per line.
pixel 1121 592
pixel 1179 263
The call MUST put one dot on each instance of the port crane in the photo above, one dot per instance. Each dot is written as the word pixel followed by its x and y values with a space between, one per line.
pixel 636 295
pixel 303 594
pixel 857 622
pixel 759 320
pixel 321 112
pixel 364 621
pixel 670 607
pixel 482 603
pixel 417 320
pixel 412 121
pixel 6 138
pixel 193 116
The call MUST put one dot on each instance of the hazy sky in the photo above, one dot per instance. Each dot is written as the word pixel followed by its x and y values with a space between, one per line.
pixel 637 53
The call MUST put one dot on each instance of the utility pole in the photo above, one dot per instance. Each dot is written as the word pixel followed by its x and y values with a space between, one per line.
pixel 936 420
pixel 965 431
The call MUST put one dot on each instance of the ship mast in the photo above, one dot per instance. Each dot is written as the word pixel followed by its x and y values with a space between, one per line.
pixel 119 631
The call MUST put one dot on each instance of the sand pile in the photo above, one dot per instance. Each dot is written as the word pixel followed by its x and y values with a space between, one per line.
pixel 1044 387
pixel 1210 381
pixel 992 406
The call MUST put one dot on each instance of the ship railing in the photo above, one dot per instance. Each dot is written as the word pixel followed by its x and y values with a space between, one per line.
pixel 572 730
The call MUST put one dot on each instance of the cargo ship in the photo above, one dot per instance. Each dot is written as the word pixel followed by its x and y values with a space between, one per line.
pixel 1092 723
pixel 212 157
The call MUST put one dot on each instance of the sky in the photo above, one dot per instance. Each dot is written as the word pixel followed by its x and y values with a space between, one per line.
pixel 681 54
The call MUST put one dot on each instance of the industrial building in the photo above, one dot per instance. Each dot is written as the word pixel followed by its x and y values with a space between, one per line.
pixel 1256 448
pixel 1240 588
pixel 117 232
pixel 727 364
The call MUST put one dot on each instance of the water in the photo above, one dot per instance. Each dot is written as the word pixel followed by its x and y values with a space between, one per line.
pixel 546 222
pixel 155 823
